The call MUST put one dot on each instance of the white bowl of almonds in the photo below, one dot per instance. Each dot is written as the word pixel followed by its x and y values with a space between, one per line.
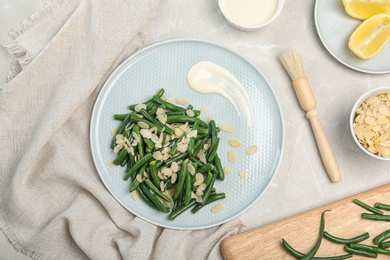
pixel 370 123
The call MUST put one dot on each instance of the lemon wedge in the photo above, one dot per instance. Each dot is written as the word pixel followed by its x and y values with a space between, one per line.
pixel 370 36
pixel 364 9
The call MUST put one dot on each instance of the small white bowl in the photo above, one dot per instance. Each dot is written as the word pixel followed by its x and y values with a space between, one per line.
pixel 239 25
pixel 372 92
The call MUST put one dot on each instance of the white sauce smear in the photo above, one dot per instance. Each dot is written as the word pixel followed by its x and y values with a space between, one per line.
pixel 209 78
pixel 250 12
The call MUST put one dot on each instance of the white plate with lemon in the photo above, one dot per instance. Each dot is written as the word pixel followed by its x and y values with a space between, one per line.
pixel 335 25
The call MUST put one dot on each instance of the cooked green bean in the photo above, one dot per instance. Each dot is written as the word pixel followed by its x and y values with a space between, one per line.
pixel 146 199
pixel 367 207
pixel 135 183
pixel 213 150
pixel 180 210
pixel 211 199
pixel 120 129
pixel 338 240
pixel 182 177
pixel 156 190
pixel 168 105
pixel 138 164
pixel 382 206
pixel 156 122
pixel 140 142
pixel 360 252
pixel 376 217
pixel 185 119
pixel 188 189
pixel 218 165
pixel 121 157
pixel 382 237
pixel 298 254
pixel 372 249
pixel 153 198
pixel 120 117
pixel 208 189
pixel 314 250
pixel 384 244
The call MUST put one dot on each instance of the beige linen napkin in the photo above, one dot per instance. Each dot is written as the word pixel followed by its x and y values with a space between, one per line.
pixel 53 204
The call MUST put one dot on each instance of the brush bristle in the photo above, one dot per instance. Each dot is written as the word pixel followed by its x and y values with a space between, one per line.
pixel 292 62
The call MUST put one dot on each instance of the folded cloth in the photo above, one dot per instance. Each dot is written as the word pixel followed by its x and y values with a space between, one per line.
pixel 53 204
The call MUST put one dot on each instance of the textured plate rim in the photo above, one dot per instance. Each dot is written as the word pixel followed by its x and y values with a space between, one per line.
pixel 94 119
pixel 320 35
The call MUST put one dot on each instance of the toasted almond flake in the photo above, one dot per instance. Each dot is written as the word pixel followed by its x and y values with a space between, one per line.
pixel 227 129
pixel 231 156
pixel 182 147
pixel 146 133
pixel 173 177
pixel 192 133
pixel 178 132
pixel 181 101
pixel 167 171
pixel 139 178
pixel 217 208
pixel 160 111
pixel 193 195
pixel 162 186
pixel 202 186
pixel 199 192
pixel 234 143
pixel 191 169
pixel 169 100
pixel 117 148
pixel 146 175
pixel 158 156
pixel 199 199
pixel 113 131
pixel 175 167
pixel 202 157
pixel 227 171
pixel 143 125
pixel 199 177
pixel 162 118
pixel 209 118
pixel 251 150
pixel 203 109
pixel 111 163
pixel 190 113
pixel 138 107
pixel 242 174
pixel 136 137
pixel 134 195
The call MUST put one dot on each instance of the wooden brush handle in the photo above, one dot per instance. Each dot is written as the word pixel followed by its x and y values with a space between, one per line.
pixel 308 103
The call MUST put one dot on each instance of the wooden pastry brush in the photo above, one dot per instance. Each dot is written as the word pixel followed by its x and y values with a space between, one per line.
pixel 293 64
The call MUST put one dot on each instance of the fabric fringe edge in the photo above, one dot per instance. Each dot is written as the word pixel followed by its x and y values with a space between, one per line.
pixel 21 56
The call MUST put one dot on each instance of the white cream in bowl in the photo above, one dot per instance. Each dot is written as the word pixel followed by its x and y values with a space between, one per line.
pixel 250 15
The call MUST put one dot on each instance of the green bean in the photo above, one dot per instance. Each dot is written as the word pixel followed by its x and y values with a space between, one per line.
pixel 208 189
pixel 159 93
pixel 157 123
pixel 121 157
pixel 214 131
pixel 135 183
pixel 182 177
pixel 384 244
pixel 184 119
pixel 188 189
pixel 213 151
pixel 338 240
pixel 146 199
pixel 205 168
pixel 176 158
pixel 376 217
pixel 360 252
pixel 154 173
pixel 156 190
pixel 167 105
pixel 149 145
pixel 382 237
pixel 181 209
pixel 120 130
pixel 199 145
pixel 211 199
pixel 298 254
pixel 367 207
pixel 218 165
pixel 173 150
pixel 140 143
pixel 120 117
pixel 153 198
pixel 314 250
pixel 382 206
pixel 137 165
pixel 372 249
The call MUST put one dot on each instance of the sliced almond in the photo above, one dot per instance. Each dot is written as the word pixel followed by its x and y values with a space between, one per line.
pixel 251 150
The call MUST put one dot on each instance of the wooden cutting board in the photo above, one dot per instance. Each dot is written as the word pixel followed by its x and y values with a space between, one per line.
pixel 301 231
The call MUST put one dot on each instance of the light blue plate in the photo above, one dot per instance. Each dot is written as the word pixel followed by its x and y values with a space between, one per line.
pixel 165 65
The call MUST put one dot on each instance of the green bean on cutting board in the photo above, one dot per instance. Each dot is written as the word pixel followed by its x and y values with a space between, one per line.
pixel 352 246
pixel 167 162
